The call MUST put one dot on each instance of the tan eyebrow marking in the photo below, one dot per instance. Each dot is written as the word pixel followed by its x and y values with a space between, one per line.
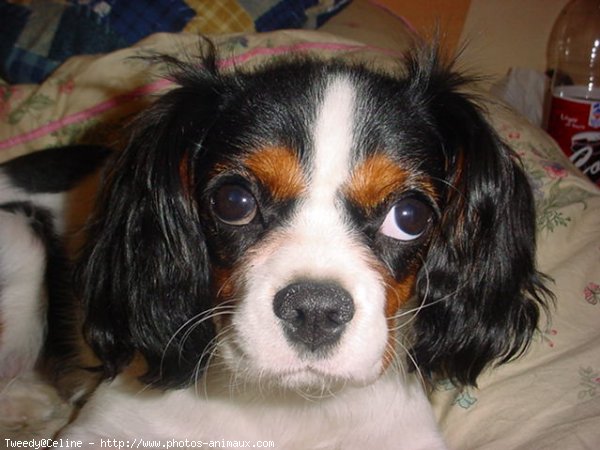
pixel 279 169
pixel 378 176
pixel 374 179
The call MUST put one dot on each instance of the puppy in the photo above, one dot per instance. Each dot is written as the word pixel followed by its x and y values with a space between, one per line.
pixel 286 254
pixel 35 285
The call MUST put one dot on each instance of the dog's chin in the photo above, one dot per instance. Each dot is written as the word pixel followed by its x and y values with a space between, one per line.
pixel 317 383
pixel 308 382
pixel 313 378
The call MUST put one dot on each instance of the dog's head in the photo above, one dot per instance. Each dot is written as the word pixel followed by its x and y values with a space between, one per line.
pixel 312 221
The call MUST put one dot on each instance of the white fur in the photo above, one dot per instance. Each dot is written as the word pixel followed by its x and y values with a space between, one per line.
pixel 22 295
pixel 28 406
pixel 390 414
pixel 22 271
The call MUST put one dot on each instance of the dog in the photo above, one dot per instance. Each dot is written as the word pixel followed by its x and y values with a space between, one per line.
pixel 35 333
pixel 288 254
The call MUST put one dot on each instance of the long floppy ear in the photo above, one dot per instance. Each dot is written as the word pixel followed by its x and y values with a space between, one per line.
pixel 144 274
pixel 479 285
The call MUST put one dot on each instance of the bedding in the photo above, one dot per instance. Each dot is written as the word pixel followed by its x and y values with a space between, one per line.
pixel 37 36
pixel 549 398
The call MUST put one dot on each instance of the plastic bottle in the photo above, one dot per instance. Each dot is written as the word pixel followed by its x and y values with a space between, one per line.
pixel 574 58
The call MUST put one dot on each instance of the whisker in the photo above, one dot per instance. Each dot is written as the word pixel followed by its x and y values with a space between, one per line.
pixel 423 301
pixel 305 395
pixel 420 375
pixel 451 186
pixel 237 379
pixel 197 320
pixel 261 381
pixel 423 305
pixel 213 315
pixel 211 350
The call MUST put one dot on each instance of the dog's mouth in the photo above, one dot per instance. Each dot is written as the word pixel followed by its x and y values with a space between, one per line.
pixel 318 382
pixel 314 376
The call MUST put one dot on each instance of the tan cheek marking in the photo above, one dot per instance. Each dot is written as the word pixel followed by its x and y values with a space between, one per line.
pixel 279 170
pixel 226 289
pixel 223 285
pixel 137 368
pixel 397 294
pixel 374 179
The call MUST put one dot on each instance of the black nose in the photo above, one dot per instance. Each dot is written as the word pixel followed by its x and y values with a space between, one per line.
pixel 314 313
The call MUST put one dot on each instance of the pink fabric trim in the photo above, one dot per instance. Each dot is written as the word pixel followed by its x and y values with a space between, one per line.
pixel 150 88
pixel 84 115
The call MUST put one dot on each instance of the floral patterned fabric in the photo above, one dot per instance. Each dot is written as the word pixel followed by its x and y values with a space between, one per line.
pixel 550 398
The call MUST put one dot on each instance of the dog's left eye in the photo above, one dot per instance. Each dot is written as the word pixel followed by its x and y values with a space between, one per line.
pixel 234 205
pixel 407 220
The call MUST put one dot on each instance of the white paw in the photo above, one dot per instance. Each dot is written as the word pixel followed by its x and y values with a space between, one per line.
pixel 30 408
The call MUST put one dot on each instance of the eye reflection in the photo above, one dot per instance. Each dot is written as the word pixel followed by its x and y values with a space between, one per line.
pixel 234 205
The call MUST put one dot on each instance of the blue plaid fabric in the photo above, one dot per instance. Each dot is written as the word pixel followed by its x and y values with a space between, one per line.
pixel 136 20
pixel 24 65
pixel 289 13
pixel 82 32
pixel 292 14
pixel 30 48
pixel 30 51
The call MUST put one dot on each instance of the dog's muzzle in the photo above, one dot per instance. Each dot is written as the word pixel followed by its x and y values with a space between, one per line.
pixel 313 314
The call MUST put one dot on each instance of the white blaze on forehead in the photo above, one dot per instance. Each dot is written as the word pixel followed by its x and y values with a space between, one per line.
pixel 319 228
pixel 333 139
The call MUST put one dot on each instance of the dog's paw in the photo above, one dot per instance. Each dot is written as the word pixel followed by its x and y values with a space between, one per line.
pixel 30 408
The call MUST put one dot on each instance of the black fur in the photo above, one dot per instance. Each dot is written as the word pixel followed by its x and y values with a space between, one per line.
pixel 147 268
pixel 55 169
pixel 480 270
pixel 145 271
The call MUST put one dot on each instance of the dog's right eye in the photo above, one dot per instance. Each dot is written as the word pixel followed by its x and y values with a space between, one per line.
pixel 234 205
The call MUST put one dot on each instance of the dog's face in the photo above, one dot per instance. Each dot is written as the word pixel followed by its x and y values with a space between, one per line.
pixel 316 222
pixel 284 219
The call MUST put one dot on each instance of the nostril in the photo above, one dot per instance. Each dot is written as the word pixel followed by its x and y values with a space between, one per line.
pixel 336 318
pixel 342 312
pixel 297 317
pixel 313 313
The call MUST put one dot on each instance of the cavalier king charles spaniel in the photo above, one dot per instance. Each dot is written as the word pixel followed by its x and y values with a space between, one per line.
pixel 286 254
